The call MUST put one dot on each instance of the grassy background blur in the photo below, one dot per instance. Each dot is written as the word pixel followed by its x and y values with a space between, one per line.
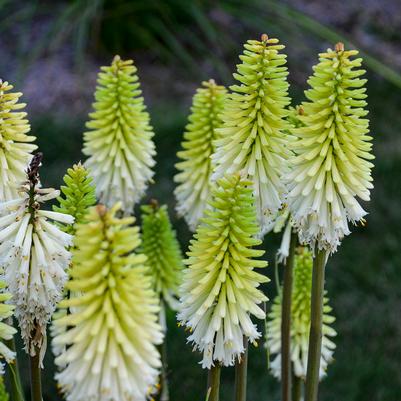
pixel 51 50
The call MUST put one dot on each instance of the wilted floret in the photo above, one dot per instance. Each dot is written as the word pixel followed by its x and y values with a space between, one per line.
pixel 220 287
pixel 112 328
pixel 119 143
pixel 33 252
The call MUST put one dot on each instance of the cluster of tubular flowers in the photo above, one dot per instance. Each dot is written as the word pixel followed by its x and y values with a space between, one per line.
pixel 78 194
pixel 163 251
pixel 112 330
pixel 220 288
pixel 195 167
pixel 331 163
pixel 300 322
pixel 34 255
pixel 6 331
pixel 15 146
pixel 253 138
pixel 119 143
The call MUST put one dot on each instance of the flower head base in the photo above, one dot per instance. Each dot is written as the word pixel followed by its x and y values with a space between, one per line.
pixel 119 145
pixel 220 287
pixel 331 166
pixel 196 166
pixel 300 322
pixel 34 255
pixel 79 195
pixel 161 247
pixel 15 146
pixel 252 138
pixel 6 331
pixel 112 328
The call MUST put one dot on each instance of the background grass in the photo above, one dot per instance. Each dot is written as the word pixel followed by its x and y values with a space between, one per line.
pixel 194 42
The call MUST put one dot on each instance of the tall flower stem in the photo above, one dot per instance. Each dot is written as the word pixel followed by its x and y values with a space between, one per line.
pixel 36 382
pixel 17 392
pixel 286 370
pixel 241 368
pixel 163 394
pixel 315 334
pixel 213 383
pixel 296 388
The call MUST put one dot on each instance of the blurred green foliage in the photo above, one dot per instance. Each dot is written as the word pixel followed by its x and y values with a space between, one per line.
pixel 118 26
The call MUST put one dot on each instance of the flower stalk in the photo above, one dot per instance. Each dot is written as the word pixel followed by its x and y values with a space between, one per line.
pixel 286 370
pixel 213 383
pixel 241 371
pixel 163 391
pixel 296 388
pixel 300 321
pixel 36 380
pixel 315 335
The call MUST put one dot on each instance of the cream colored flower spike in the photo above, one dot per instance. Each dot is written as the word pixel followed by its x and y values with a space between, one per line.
pixel 119 143
pixel 220 287
pixel 15 145
pixel 112 328
pixel 253 138
pixel 331 166
pixel 195 167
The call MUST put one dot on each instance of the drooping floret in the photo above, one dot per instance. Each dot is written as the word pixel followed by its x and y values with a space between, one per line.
pixel 34 254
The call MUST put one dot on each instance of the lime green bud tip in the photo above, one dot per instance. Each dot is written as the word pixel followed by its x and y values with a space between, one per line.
pixel 78 195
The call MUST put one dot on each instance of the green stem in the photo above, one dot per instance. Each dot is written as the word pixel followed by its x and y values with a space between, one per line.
pixel 286 371
pixel 315 334
pixel 16 392
pixel 296 388
pixel 241 368
pixel 163 394
pixel 36 382
pixel 213 383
